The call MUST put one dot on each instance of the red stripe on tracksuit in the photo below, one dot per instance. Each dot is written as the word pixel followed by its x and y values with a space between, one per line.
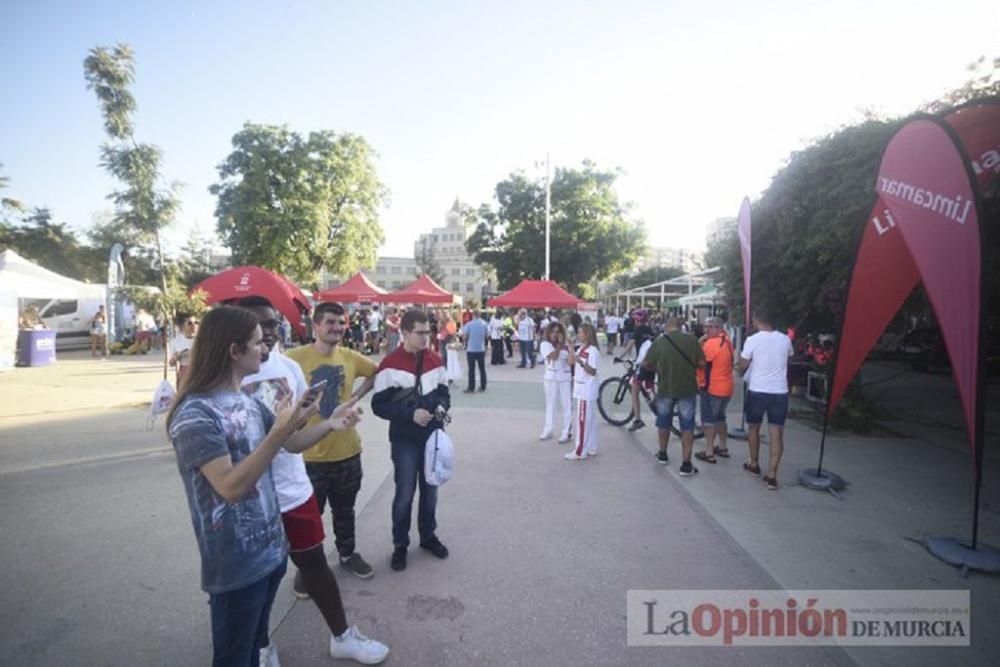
pixel 581 434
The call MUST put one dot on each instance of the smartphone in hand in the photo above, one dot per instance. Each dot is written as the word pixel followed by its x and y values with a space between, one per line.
pixel 314 393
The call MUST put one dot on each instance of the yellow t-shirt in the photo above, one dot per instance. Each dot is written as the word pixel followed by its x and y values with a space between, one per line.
pixel 339 369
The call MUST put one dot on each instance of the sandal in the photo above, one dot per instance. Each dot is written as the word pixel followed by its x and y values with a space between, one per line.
pixel 724 453
pixel 702 456
pixel 753 470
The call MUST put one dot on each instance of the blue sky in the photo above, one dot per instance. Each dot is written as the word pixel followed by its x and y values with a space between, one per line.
pixel 699 103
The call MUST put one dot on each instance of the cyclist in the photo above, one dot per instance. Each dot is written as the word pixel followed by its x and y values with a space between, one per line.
pixel 642 336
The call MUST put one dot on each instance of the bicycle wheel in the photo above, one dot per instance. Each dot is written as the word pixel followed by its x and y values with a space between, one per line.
pixel 614 401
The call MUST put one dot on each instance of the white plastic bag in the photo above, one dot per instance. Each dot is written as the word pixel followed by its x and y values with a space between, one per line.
pixel 163 398
pixel 439 458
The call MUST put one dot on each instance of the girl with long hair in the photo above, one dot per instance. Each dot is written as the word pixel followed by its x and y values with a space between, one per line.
pixel 225 441
pixel 587 360
pixel 557 380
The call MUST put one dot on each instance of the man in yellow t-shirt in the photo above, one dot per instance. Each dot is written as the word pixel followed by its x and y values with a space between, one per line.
pixel 334 463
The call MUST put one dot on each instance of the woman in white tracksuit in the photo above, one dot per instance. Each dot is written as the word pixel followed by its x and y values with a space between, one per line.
pixel 558 381
pixel 587 361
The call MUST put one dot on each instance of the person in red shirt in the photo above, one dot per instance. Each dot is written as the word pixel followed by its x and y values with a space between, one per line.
pixel 715 383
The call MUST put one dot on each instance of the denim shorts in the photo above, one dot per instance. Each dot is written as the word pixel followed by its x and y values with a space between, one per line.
pixel 775 406
pixel 685 408
pixel 713 409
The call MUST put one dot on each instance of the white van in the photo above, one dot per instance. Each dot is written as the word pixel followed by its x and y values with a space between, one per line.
pixel 69 318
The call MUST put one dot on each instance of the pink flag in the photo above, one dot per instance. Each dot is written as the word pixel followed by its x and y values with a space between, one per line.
pixel 925 183
pixel 743 228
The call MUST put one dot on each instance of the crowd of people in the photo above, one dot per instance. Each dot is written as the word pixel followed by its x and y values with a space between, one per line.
pixel 266 441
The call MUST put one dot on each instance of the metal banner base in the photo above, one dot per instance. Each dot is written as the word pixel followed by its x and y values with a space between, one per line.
pixel 984 558
pixel 811 478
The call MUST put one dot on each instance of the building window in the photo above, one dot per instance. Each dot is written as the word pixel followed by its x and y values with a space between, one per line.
pixel 396 284
pixel 470 287
pixel 456 287
pixel 470 272
pixel 396 270
pixel 379 269
pixel 456 272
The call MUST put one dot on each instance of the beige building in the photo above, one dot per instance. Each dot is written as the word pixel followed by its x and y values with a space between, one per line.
pixel 681 258
pixel 446 245
pixel 718 230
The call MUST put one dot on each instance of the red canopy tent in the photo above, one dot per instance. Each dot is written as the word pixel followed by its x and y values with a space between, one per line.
pixel 245 281
pixel 421 290
pixel 536 294
pixel 357 289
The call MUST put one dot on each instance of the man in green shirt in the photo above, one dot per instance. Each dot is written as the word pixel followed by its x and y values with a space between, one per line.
pixel 675 356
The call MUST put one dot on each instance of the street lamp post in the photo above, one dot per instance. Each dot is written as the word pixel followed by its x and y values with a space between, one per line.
pixel 548 204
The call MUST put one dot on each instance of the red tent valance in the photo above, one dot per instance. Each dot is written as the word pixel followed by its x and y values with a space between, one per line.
pixel 422 290
pixel 357 289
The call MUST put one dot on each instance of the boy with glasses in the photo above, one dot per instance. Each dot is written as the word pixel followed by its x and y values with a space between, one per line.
pixel 411 392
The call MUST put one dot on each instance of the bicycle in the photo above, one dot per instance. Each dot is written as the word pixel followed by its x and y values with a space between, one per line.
pixel 614 400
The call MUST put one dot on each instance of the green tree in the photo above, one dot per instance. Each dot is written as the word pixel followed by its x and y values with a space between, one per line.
pixel 50 244
pixel 428 264
pixel 653 274
pixel 194 263
pixel 806 227
pixel 592 235
pixel 296 204
pixel 143 206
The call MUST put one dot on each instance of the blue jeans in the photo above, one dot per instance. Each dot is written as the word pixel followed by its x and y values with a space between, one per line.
pixel 527 352
pixel 685 408
pixel 476 359
pixel 239 620
pixel 408 465
pixel 775 406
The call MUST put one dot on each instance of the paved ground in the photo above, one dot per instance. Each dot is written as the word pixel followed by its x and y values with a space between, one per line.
pixel 101 567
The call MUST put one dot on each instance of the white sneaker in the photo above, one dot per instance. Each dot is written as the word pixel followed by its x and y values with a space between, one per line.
pixel 564 439
pixel 354 645
pixel 573 457
pixel 545 436
pixel 269 656
pixel 592 453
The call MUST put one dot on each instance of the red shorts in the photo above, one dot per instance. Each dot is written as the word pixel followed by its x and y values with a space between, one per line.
pixel 303 526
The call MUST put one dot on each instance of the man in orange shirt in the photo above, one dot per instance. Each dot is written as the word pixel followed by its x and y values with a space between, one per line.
pixel 715 383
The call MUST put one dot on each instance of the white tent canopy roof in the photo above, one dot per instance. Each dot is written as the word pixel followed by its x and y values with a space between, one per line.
pixel 28 280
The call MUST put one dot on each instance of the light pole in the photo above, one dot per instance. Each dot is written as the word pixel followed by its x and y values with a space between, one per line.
pixel 548 206
pixel 548 216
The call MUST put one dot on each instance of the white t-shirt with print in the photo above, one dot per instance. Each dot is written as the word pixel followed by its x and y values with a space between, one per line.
pixel 278 376
pixel 585 385
pixel 768 353
pixel 558 368
pixel 374 319
pixel 611 324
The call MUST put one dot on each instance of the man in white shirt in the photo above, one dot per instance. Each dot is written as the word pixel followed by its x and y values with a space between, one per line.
pixel 526 338
pixel 766 353
pixel 496 339
pixel 611 324
pixel 279 378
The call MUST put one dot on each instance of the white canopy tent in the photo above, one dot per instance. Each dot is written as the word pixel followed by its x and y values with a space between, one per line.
pixel 663 290
pixel 27 280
